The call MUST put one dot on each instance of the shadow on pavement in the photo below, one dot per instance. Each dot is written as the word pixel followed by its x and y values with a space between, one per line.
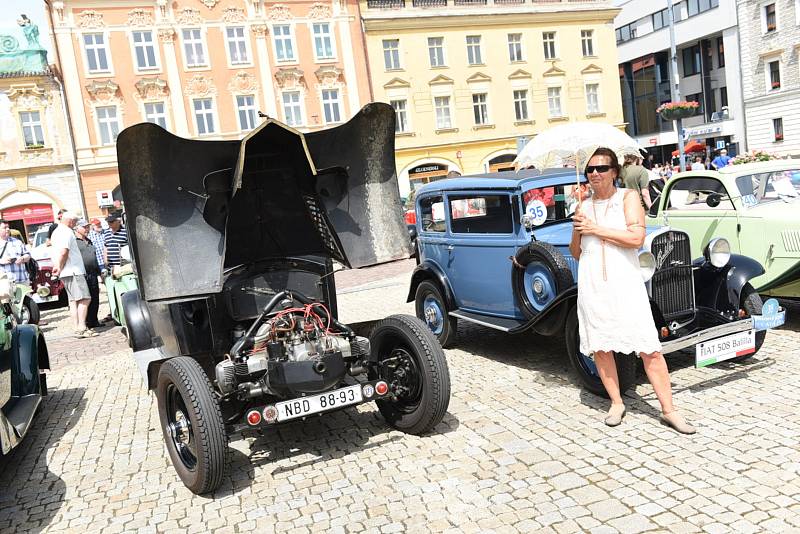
pixel 319 439
pixel 30 493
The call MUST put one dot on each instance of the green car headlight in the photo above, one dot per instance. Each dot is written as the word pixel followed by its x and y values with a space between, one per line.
pixel 718 252
pixel 647 265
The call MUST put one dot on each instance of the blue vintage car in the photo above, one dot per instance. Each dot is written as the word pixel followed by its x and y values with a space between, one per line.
pixel 493 250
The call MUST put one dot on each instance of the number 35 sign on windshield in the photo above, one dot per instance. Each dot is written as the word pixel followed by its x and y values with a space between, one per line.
pixel 537 212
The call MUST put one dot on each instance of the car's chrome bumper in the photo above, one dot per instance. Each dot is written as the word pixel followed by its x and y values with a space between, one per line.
pixel 704 335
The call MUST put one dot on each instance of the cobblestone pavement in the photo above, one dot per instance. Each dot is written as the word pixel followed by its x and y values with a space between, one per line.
pixel 521 449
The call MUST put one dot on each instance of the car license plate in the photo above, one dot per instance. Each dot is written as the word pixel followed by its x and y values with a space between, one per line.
pixel 323 402
pixel 725 348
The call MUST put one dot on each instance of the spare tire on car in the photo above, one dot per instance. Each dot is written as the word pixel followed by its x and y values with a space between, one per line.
pixel 540 274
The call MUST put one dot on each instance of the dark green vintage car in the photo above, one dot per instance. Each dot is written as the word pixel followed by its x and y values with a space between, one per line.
pixel 23 356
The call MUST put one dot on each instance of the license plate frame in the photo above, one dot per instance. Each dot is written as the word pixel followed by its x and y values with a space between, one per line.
pixel 319 403
pixel 725 347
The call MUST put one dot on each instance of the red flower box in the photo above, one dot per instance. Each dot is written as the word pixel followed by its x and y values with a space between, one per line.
pixel 779 137
pixel 776 85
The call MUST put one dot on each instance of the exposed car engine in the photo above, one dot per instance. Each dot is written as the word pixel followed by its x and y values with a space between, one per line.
pixel 294 351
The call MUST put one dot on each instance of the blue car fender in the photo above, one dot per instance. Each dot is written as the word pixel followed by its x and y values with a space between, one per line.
pixel 428 270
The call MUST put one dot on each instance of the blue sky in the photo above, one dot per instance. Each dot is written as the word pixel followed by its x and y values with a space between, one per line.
pixel 35 9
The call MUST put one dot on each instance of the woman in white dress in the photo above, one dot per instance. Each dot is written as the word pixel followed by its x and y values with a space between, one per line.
pixel 613 307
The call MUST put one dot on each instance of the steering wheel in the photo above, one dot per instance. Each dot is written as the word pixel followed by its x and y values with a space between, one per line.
pixel 694 195
pixel 427 224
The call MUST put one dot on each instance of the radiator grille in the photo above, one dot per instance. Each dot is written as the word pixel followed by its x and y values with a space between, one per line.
pixel 672 286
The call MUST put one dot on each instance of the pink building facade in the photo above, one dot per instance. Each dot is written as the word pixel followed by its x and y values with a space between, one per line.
pixel 202 69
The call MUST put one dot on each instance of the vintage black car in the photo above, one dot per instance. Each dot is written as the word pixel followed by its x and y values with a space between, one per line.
pixel 235 322
pixel 23 384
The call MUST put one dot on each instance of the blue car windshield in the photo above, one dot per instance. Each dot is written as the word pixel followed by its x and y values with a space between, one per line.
pixel 780 185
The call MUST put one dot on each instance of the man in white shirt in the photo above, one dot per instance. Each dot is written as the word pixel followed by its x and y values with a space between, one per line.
pixel 68 265
pixel 698 164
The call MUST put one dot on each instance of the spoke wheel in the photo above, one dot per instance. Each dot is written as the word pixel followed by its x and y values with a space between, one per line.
pixel 408 357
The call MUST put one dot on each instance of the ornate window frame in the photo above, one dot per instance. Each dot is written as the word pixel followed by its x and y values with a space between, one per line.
pixel 156 50
pixel 29 97
pixel 109 72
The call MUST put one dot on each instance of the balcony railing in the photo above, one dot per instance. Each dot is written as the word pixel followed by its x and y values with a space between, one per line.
pixel 395 4
pixel 429 3
pixel 386 4
pixel 469 2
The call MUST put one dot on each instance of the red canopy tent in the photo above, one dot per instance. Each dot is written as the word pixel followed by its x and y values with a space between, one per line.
pixel 692 146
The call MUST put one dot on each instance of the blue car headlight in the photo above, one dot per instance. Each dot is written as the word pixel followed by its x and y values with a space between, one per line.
pixel 718 252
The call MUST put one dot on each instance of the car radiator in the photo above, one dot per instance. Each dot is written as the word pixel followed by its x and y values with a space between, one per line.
pixel 672 285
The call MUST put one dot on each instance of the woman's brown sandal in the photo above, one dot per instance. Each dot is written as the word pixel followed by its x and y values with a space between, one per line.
pixel 677 422
pixel 615 415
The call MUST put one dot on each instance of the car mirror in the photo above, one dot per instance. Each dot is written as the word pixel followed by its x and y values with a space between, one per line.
pixel 527 221
pixel 713 200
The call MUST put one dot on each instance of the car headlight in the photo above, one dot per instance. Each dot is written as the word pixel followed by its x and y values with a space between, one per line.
pixel 718 252
pixel 647 265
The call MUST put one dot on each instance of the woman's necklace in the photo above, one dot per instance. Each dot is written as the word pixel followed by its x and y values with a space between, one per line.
pixel 597 222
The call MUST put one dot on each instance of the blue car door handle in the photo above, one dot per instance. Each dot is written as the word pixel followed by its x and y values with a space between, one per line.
pixel 451 248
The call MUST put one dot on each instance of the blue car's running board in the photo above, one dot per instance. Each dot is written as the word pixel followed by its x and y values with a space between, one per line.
pixel 498 323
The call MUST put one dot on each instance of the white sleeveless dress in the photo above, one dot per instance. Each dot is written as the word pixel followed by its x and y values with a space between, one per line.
pixel 613 314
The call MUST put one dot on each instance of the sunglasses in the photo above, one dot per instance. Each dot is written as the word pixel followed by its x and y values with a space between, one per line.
pixel 597 168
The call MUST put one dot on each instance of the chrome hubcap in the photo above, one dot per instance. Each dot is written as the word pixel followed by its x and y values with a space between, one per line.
pixel 538 287
pixel 180 429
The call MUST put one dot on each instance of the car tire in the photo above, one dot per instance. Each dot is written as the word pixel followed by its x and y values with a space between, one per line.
pixel 29 311
pixel 544 274
pixel 432 310
pixel 191 421
pixel 751 303
pixel 409 358
pixel 585 368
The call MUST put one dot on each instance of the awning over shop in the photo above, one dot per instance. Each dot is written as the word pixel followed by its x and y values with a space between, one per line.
pixel 692 146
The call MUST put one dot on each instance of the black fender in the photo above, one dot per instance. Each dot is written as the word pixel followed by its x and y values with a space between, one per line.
pixel 722 288
pixel 25 360
pixel 430 271
pixel 137 321
pixel 552 319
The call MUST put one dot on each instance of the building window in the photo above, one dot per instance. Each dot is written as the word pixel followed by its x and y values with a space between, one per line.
pixel 660 19
pixel 401 116
pixel 391 54
pixel 442 106
pixel 237 45
pixel 691 60
pixel 521 104
pixel 436 51
pixel 549 42
pixel 32 131
pixel 323 41
pixel 592 98
pixel 292 109
pixel 204 115
pixel 108 124
pixel 246 107
pixel 625 33
pixel 723 97
pixel 145 50
pixel 777 129
pixel 330 105
pixel 514 47
pixel 720 53
pixel 770 18
pixel 587 42
pixel 695 7
pixel 284 46
pixel 697 97
pixel 194 48
pixel 96 53
pixel 154 112
pixel 480 109
pixel 554 101
pixel 774 74
pixel 474 56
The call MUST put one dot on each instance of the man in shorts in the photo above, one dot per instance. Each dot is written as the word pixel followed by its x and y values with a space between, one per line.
pixel 68 265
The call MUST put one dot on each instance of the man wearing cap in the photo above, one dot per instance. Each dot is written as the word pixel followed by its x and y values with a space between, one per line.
pixel 89 257
pixel 13 255
pixel 115 237
pixel 68 265
pixel 722 160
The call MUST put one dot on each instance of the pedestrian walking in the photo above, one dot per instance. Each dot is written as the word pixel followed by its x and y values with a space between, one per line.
pixel 613 307
pixel 13 255
pixel 68 265
pixel 636 177
pixel 89 257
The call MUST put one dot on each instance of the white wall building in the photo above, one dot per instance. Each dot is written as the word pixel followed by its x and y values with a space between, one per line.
pixel 707 39
pixel 771 74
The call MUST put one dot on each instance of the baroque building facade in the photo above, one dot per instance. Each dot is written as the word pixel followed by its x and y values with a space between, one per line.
pixel 37 172
pixel 202 69
pixel 471 81
pixel 770 33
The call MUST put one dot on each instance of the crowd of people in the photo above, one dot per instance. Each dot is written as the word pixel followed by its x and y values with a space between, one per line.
pixel 83 253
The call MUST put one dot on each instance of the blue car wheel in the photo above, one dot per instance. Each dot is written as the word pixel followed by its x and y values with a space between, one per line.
pixel 539 285
pixel 432 310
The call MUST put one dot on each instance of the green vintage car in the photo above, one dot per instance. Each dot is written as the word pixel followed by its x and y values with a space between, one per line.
pixel 754 206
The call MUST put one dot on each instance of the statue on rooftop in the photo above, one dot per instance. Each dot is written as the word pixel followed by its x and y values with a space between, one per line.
pixel 30 30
